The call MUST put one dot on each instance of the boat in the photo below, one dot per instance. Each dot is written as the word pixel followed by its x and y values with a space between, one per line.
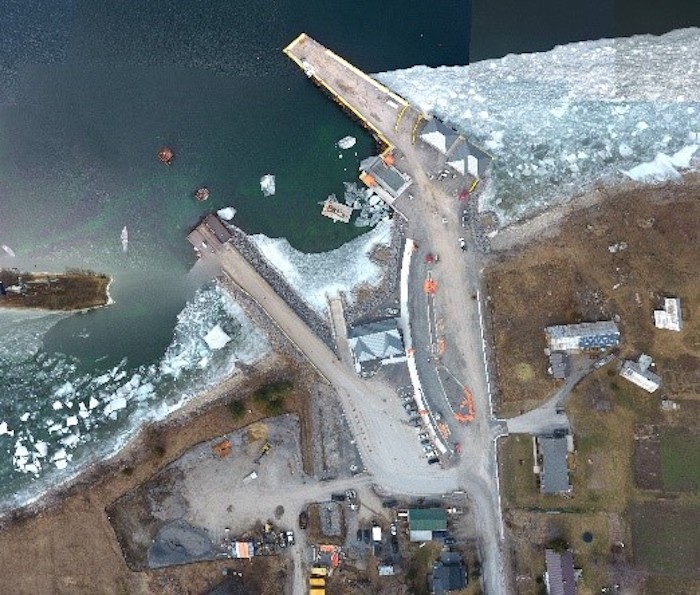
pixel 165 155
pixel 202 194
pixel 125 239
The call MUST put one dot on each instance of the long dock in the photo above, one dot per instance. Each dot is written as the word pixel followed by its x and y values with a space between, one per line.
pixel 377 107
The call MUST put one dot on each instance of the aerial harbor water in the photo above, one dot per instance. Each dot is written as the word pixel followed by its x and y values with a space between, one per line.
pixel 83 114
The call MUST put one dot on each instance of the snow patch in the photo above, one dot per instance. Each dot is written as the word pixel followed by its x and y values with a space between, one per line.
pixel 227 213
pixel 315 277
pixel 216 338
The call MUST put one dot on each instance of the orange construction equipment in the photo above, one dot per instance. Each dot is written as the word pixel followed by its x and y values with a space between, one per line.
pixel 319 571
pixel 430 286
pixel 441 345
pixel 317 582
pixel 443 430
pixel 465 412
pixel 222 449
pixel 368 180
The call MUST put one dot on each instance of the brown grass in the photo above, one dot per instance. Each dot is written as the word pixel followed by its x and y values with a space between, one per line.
pixel 573 277
pixel 73 290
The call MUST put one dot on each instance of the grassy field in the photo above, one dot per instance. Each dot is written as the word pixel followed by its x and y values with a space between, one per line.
pixel 680 459
pixel 665 538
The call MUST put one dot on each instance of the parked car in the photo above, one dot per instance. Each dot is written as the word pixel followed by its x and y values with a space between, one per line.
pixel 290 538
pixel 395 545
pixel 366 535
pixel 303 519
pixel 423 436
pixel 389 503
pixel 433 460
pixel 450 541
pixel 463 244
pixel 358 535
pixel 392 529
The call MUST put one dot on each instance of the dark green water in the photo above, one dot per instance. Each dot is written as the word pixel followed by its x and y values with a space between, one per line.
pixel 503 27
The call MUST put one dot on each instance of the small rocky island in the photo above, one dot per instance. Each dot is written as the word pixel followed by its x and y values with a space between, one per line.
pixel 73 290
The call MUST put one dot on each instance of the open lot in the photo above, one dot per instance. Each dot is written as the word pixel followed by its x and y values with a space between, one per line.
pixel 680 459
pixel 665 538
pixel 575 277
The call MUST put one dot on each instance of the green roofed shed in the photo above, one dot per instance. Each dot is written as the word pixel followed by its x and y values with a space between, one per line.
pixel 423 521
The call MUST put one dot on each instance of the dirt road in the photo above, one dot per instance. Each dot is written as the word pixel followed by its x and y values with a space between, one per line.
pixel 388 447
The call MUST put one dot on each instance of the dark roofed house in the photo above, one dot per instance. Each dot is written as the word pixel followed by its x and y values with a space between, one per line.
pixel 559 365
pixel 375 342
pixel 423 521
pixel 438 135
pixel 560 577
pixel 554 474
pixel 449 574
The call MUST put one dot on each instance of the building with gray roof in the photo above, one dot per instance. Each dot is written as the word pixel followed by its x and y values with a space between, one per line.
pixel 584 336
pixel 554 471
pixel 387 181
pixel 639 373
pixel 465 159
pixel 560 577
pixel 374 343
pixel 449 574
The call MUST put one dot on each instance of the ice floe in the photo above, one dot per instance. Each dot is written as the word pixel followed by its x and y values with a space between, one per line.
pixel 316 276
pixel 347 142
pixel 268 185
pixel 82 402
pixel 663 167
pixel 216 338
pixel 560 121
pixel 227 213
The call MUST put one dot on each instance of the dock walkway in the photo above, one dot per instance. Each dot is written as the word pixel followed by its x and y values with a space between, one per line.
pixel 377 107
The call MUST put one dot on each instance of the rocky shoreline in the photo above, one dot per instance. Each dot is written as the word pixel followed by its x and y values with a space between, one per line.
pixel 246 247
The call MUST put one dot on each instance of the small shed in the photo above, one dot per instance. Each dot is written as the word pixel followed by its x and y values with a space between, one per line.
pixel 670 317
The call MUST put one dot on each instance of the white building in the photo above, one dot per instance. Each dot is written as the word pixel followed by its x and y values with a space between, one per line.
pixel 638 373
pixel 670 317
pixel 584 336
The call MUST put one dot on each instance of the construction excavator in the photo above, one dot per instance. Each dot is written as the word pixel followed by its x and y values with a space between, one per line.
pixel 265 449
